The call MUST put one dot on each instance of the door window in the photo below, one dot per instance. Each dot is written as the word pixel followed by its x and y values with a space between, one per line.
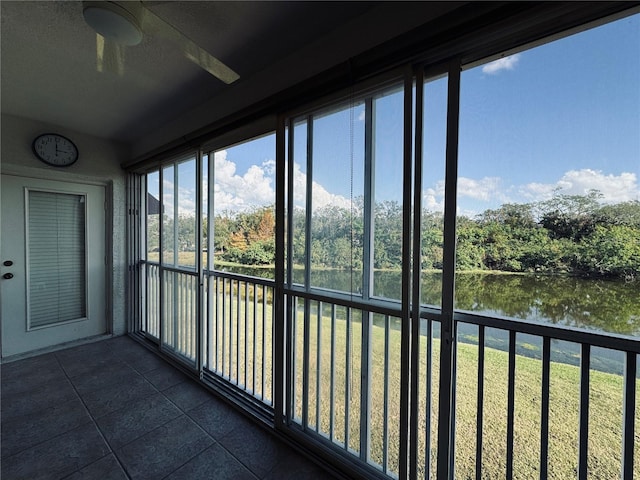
pixel 56 258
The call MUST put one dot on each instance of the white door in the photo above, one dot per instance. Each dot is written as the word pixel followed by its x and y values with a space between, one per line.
pixel 52 263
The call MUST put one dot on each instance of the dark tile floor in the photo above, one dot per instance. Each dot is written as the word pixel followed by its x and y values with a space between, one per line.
pixel 113 410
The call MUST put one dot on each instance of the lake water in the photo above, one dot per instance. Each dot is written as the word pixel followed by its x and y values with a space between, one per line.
pixel 611 306
pixel 593 304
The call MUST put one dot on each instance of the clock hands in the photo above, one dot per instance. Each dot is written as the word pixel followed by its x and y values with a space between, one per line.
pixel 55 149
pixel 59 150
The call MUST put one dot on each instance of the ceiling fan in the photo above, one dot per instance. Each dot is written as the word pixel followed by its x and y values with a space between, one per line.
pixel 124 23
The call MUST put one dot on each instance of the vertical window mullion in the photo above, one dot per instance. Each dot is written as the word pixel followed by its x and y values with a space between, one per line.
pixel 369 194
pixel 307 274
pixel 161 294
pixel 367 278
pixel 416 274
pixel 446 420
pixel 130 233
pixel 284 365
pixel 176 283
pixel 141 243
pixel 289 163
pixel 143 269
pixel 209 265
pixel 176 204
pixel 405 367
pixel 199 331
pixel 309 205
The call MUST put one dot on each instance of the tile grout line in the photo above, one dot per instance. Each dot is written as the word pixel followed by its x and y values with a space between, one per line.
pixel 215 440
pixel 225 448
pixel 55 436
pixel 240 461
pixel 190 459
pixel 186 414
pixel 181 410
pixel 94 422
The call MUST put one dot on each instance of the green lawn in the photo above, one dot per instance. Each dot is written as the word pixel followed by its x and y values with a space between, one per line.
pixel 605 419
pixel 606 396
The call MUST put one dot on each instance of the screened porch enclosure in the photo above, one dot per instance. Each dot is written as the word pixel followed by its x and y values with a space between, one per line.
pixel 341 275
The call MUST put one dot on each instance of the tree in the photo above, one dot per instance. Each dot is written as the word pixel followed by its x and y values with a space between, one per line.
pixel 511 214
pixel 625 213
pixel 247 237
pixel 612 250
pixel 574 234
pixel 387 246
pixel 570 216
pixel 470 252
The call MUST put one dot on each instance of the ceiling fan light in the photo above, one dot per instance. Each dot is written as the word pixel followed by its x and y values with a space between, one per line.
pixel 112 22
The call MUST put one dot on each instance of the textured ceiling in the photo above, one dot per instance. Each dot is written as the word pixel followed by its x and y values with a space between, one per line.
pixel 49 68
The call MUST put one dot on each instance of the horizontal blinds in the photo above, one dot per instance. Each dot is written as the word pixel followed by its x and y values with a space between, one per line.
pixel 57 258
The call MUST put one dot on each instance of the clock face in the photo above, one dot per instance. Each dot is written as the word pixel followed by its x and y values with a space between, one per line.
pixel 54 149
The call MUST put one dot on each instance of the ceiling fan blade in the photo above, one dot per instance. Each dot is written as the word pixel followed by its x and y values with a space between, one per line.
pixel 154 25
pixel 109 56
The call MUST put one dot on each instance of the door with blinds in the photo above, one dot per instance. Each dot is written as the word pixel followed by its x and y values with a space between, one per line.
pixel 52 263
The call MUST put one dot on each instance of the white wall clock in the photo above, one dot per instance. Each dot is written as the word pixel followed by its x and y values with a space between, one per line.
pixel 55 150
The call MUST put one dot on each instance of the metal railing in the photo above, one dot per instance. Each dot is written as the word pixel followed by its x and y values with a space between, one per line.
pixel 151 322
pixel 238 324
pixel 179 320
pixel 532 400
pixel 171 307
pixel 239 332
pixel 345 377
pixel 528 399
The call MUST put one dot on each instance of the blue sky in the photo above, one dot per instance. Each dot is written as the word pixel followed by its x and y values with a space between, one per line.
pixel 563 115
pixel 566 114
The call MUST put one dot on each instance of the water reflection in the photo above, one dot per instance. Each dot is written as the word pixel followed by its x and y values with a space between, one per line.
pixel 594 304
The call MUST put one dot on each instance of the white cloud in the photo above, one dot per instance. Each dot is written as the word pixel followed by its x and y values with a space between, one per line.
pixel 537 191
pixel 485 189
pixel 167 197
pixel 321 196
pixel 433 198
pixel 614 188
pixel 237 192
pixel 505 63
pixel 361 116
pixel 186 199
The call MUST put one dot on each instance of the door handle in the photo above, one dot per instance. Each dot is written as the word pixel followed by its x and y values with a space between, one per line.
pixel 8 276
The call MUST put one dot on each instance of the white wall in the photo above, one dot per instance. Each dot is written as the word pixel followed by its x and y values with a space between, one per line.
pixel 99 161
